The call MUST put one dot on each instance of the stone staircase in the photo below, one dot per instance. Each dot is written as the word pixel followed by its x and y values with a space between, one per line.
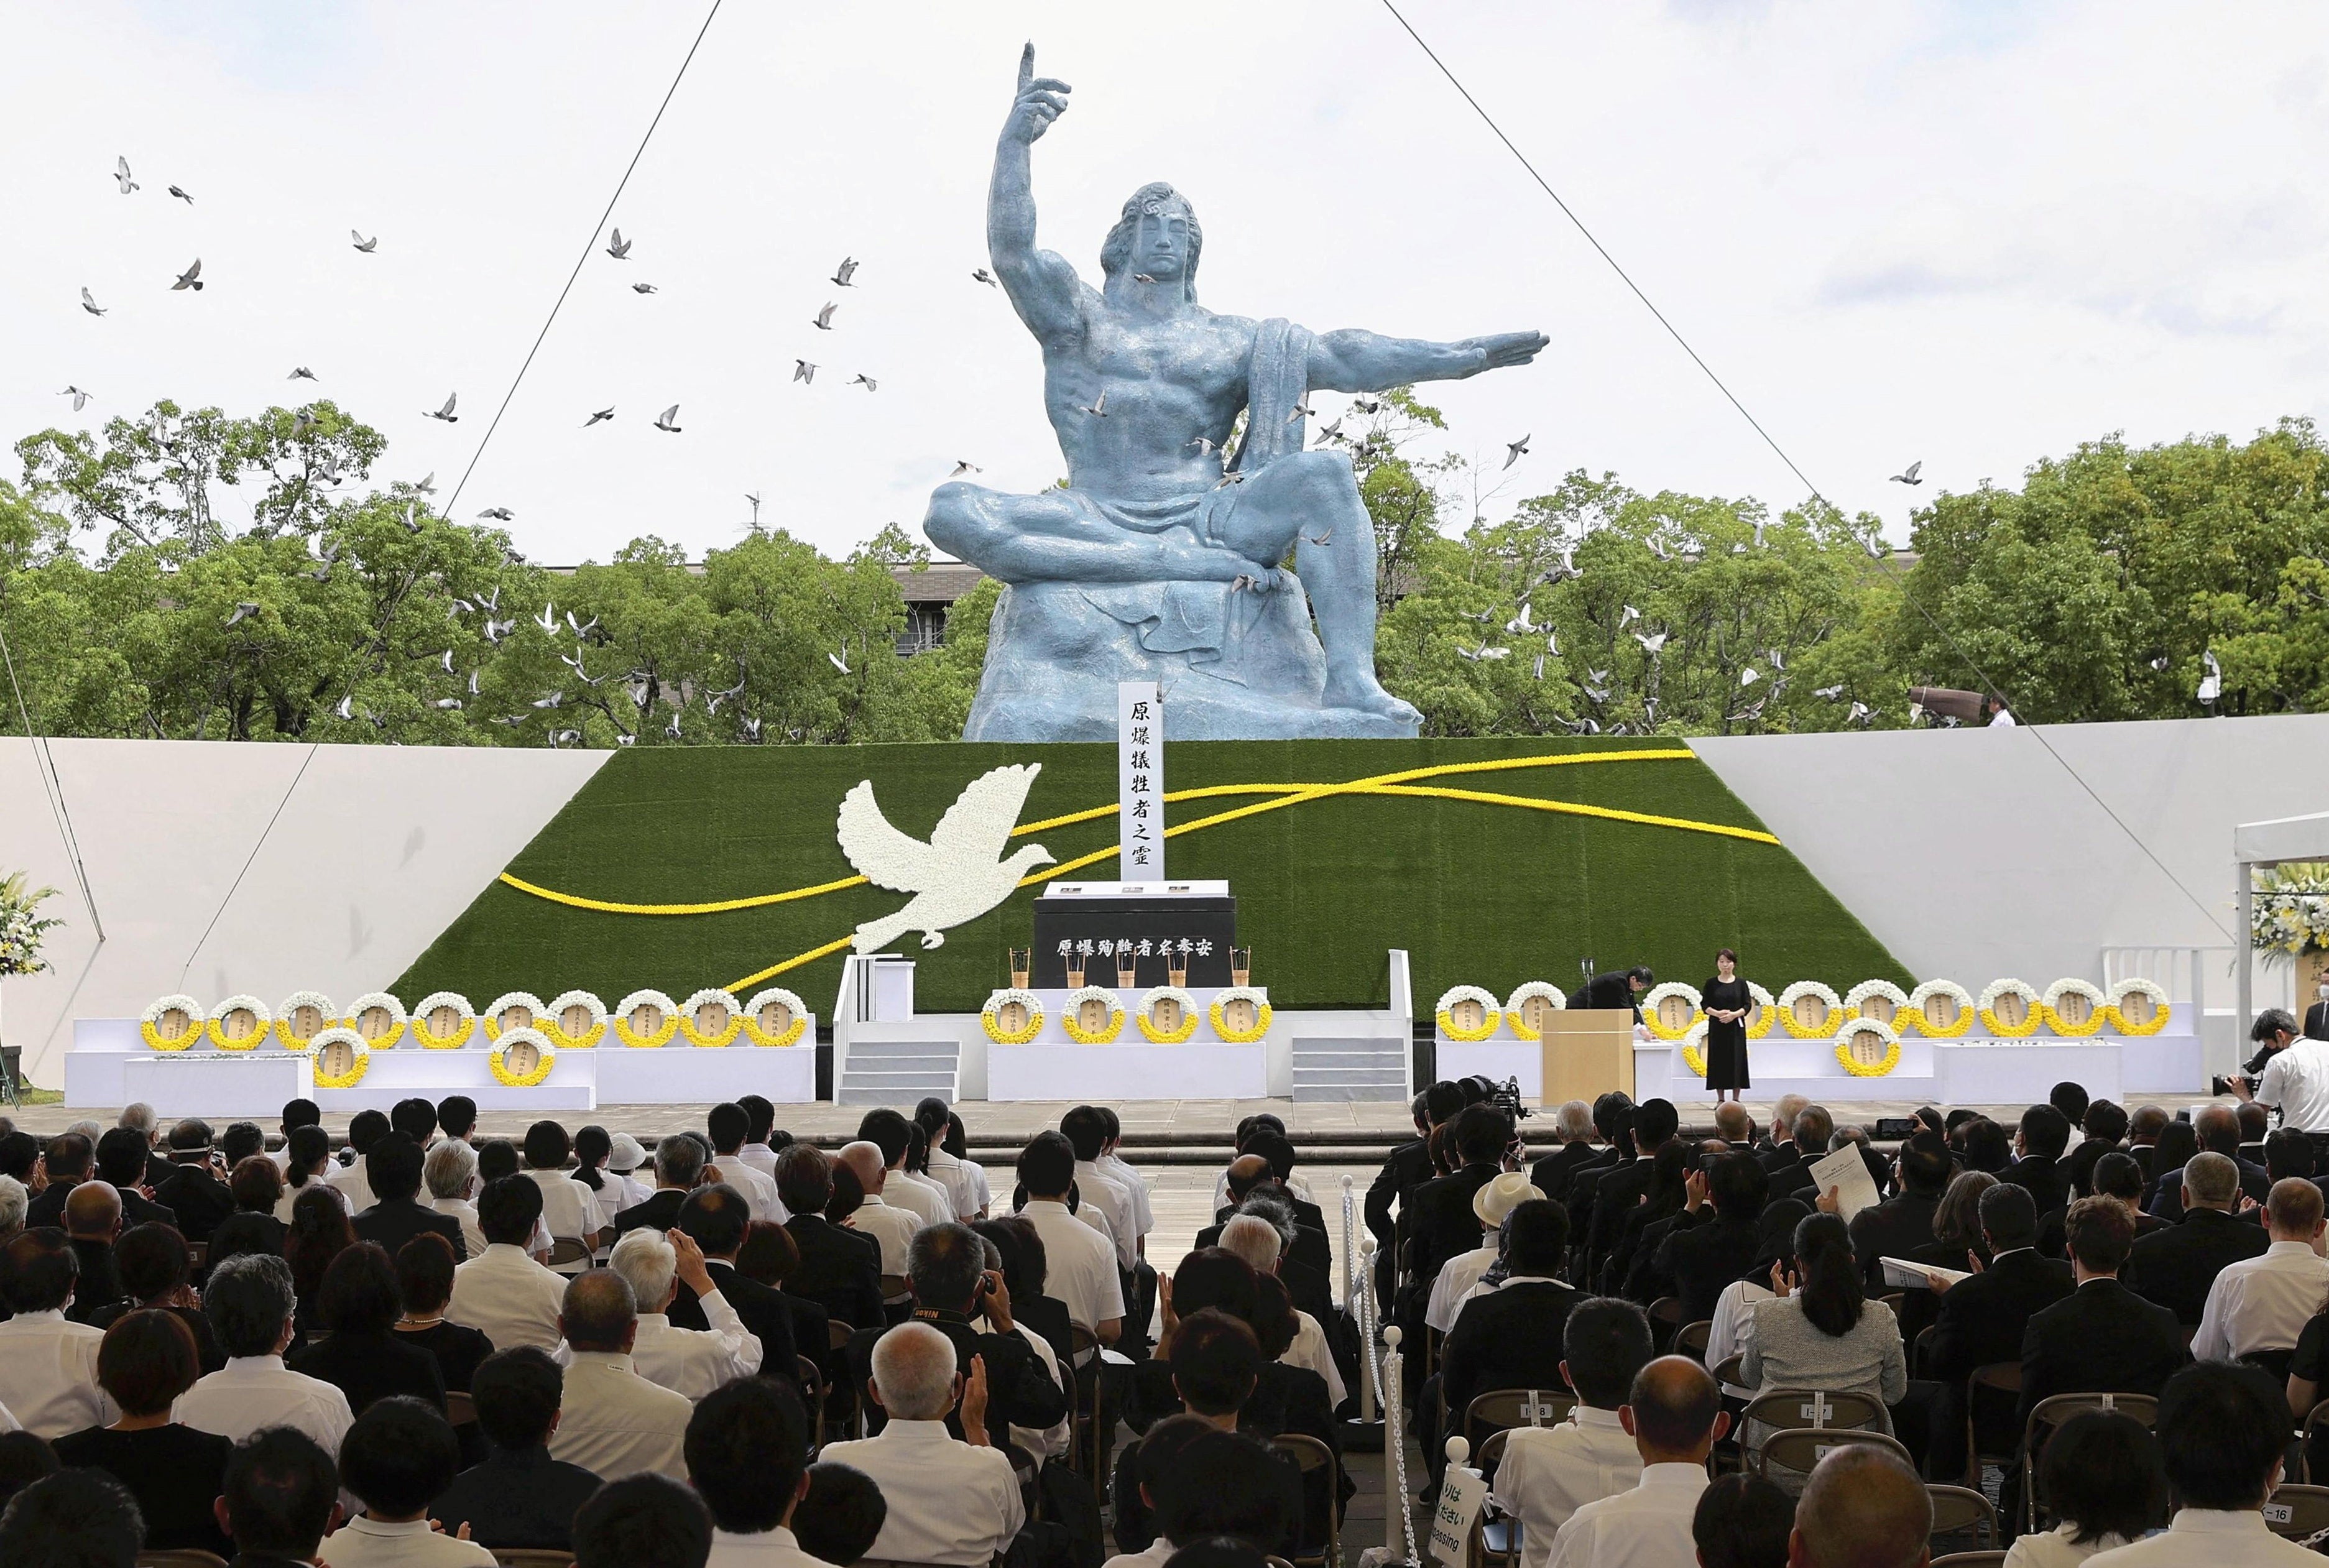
pixel 1362 1069
pixel 898 1073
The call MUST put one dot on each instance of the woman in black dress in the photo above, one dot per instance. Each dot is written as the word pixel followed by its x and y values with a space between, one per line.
pixel 1726 1001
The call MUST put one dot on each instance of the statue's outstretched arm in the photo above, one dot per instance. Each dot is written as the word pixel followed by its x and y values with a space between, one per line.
pixel 1042 287
pixel 1354 360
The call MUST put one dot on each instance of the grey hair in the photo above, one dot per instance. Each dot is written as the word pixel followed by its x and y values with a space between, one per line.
pixel 449 1168
pixel 13 1199
pixel 943 1263
pixel 1253 1239
pixel 1573 1122
pixel 86 1129
pixel 913 1372
pixel 2212 1178
pixel 138 1118
pixel 1270 1207
pixel 679 1160
pixel 249 1302
pixel 647 1264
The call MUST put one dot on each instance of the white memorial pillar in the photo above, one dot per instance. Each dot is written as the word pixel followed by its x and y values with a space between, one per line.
pixel 1139 782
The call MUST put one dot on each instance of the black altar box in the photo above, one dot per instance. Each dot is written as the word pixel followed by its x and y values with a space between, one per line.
pixel 1206 923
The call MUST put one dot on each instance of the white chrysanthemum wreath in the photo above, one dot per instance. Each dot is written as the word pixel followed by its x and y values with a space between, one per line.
pixel 1516 1005
pixel 1860 996
pixel 728 1032
pixel 492 1016
pixel 1147 1015
pixel 1920 1017
pixel 1661 992
pixel 149 1022
pixel 551 1020
pixel 241 1002
pixel 1826 1028
pixel 794 1007
pixel 1070 1015
pixel 290 1007
pixel 2098 1007
pixel 2033 1008
pixel 2131 986
pixel 663 1032
pixel 988 1020
pixel 1766 1012
pixel 360 1053
pixel 1259 997
pixel 498 1061
pixel 1492 1017
pixel 1858 1028
pixel 422 1025
pixel 397 1019
pixel 1694 1048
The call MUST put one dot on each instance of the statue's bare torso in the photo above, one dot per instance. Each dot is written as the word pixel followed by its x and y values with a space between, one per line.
pixel 1170 383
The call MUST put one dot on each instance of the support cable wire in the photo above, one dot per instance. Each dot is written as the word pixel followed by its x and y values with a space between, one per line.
pixel 313 747
pixel 1989 686
pixel 588 245
pixel 52 785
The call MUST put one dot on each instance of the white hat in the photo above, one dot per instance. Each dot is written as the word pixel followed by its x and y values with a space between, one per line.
pixel 624 1154
pixel 1501 1196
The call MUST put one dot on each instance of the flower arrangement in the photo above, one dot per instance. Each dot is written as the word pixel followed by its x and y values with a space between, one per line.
pixel 2289 913
pixel 2033 1008
pixel 241 1001
pixel 1071 1009
pixel 728 1032
pixel 1694 1048
pixel 1861 1029
pixel 1856 1000
pixel 149 1023
pixel 22 926
pixel 1260 998
pixel 2116 1007
pixel 2098 1007
pixel 285 1015
pixel 1832 1010
pixel 1660 993
pixel 551 1020
pixel 1492 1017
pixel 989 1018
pixel 1147 1015
pixel 1516 1005
pixel 544 1058
pixel 492 1018
pixel 1917 1015
pixel 793 1006
pixel 387 1006
pixel 423 1026
pixel 661 1033
pixel 359 1049
pixel 1766 1012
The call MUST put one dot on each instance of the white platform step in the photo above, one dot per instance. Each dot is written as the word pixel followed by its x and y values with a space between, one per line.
pixel 1359 1069
pixel 898 1073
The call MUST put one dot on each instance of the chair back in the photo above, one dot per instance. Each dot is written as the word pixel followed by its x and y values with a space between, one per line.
pixel 837 1334
pixel 1970 1560
pixel 1691 1338
pixel 564 1250
pixel 1821 1410
pixel 184 1557
pixel 1788 1457
pixel 2005 1377
pixel 2297 1511
pixel 2053 1411
pixel 1310 1455
pixel 1959 1509
pixel 460 1409
pixel 1499 1408
pixel 894 1289
pixel 2314 1429
pixel 532 1557
pixel 811 1379
pixel 1668 1309
pixel 1728 1370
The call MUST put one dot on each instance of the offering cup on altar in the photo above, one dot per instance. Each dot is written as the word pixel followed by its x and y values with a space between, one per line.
pixel 1125 973
pixel 1176 968
pixel 1075 973
pixel 1240 966
pixel 1021 966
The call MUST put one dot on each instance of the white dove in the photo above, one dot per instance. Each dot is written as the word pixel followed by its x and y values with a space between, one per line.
pixel 2212 684
pixel 958 875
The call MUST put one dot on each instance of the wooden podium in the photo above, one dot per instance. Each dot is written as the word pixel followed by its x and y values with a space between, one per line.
pixel 1587 1053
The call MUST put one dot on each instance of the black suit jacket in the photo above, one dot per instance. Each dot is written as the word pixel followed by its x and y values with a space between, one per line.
pixel 517 1500
pixel 2080 1163
pixel 397 1220
pixel 1616 1197
pixel 1892 1228
pixel 1409 1168
pixel 1441 1223
pixel 1983 1320
pixel 1778 1156
pixel 1509 1338
pixel 839 1270
pixel 374 1366
pixel 764 1311
pixel 2177 1266
pixel 1703 1254
pixel 660 1209
pixel 1608 992
pixel 2316 1021
pixel 2167 1196
pixel 2044 1177
pixel 137 1209
pixel 1793 1179
pixel 201 1201
pixel 1552 1175
pixel 99 1284
pixel 2102 1338
pixel 248 1232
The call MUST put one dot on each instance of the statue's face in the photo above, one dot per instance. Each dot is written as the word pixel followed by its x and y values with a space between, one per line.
pixel 1160 247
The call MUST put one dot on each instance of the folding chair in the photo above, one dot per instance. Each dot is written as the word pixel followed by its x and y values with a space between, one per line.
pixel 532 1557
pixel 1088 1443
pixel 568 1250
pixel 1958 1510
pixel 186 1557
pixel 2051 1412
pixel 1729 1369
pixel 1806 1409
pixel 2297 1511
pixel 2314 1428
pixel 1495 1536
pixel 1311 1455
pixel 895 1290
pixel 1970 1560
pixel 1500 1408
pixel 811 1378
pixel 460 1409
pixel 1690 1339
pixel 1793 1452
pixel 2004 1377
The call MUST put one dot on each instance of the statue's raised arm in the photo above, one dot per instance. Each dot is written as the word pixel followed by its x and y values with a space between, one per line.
pixel 1042 284
pixel 1356 361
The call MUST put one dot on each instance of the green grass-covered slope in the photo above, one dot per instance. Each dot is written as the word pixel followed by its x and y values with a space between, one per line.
pixel 1477 892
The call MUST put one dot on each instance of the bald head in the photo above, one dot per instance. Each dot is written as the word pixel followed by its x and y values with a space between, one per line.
pixel 864 1159
pixel 600 1313
pixel 1247 1172
pixel 93 1211
pixel 2292 1210
pixel 1674 1412
pixel 1861 1508
pixel 2218 1128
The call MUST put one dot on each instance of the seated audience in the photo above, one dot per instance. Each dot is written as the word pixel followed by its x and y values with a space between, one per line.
pixel 643 1521
pixel 2105 1125
pixel 1262 1245
pixel 48 1363
pixel 145 1362
pixel 519 1496
pixel 1499 1197
pixel 2103 1485
pixel 718 1220
pixel 1226 1484
pixel 449 1172
pixel 354 1178
pixel 120 1164
pixel 398 1457
pixel 2261 1304
pixel 1152 1461
pixel 2221 1442
pixel 747 1459
pixel 691 1361
pixel 2102 1337
pixel 250 1307
pixel 1440 1223
pixel 1548 1473
pixel 838 1269
pixel 255 1187
pixel 1980 1322
pixel 92 1220
pixel 891 1226
pixel 320 1232
pixel 2116 1175
pixel 456 1117
pixel 2038 1145
pixel 1820 1330
pixel 66 1162
pixel 1081 1262
pixel 569 1208
pixel 73 1519
pixel 679 1166
pixel 393 1168
pixel 193 1191
pixel 1861 1508
pixel 729 1128
pixel 156 1269
pixel 1743 1521
pixel 840 1513
pixel 503 1293
pixel 416 1119
pixel 2176 1265
pixel 1675 1415
pixel 612 1421
pixel 362 1354
pixel 307 1167
pixel 1713 1242
pixel 1904 1222
pixel 280 1499
pixel 23 1459
pixel 952 1501
pixel 424 1285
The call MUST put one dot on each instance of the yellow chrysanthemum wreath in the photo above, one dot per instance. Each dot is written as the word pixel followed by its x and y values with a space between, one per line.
pixel 1766 1012
pixel 2098 1008
pixel 663 1032
pixel 1915 1018
pixel 1826 1028
pixel 1071 1009
pixel 358 1066
pixel 1853 1065
pixel 1492 1016
pixel 291 1004
pixel 2159 1007
pixel 1856 1000
pixel 1516 1007
pixel 995 1003
pixel 551 1020
pixel 727 1034
pixel 1693 1047
pixel 1146 1015
pixel 2033 1008
pixel 424 1032
pixel 149 1023
pixel 492 1016
pixel 497 1063
pixel 794 1006
pixel 241 1003
pixel 1659 993
pixel 398 1021
pixel 1260 998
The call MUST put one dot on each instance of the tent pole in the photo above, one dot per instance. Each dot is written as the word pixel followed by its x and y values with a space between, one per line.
pixel 2240 936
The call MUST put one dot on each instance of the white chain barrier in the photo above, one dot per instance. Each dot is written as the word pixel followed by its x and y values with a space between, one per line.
pixel 1395 1439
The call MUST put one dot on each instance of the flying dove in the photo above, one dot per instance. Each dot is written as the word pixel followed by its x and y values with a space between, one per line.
pixel 89 303
pixel 981 274
pixel 823 319
pixel 867 382
pixel 551 701
pixel 619 247
pixel 1907 475
pixel 664 420
pixel 1651 645
pixel 300 373
pixel 640 289
pixel 79 398
pixel 838 662
pixel 1331 432
pixel 182 195
pixel 1098 409
pixel 846 271
pixel 363 244
pixel 600 417
pixel 1877 548
pixel 1829 694
pixel 447 414
pixel 449 702
pixel 1515 450
pixel 192 278
pixel 345 709
pixel 548 619
pixel 958 875
pixel 1750 675
pixel 1490 654
pixel 804 371
pixel 1861 712
pixel 1367 405
pixel 121 175
pixel 1626 616
pixel 1204 446
pixel 1521 624
pixel 427 487
pixel 498 513
pixel 2212 684
pixel 964 465
pixel 242 611
pixel 446 659
pixel 1540 666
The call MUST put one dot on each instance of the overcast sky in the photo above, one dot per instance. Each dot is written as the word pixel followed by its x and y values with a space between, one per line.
pixel 1972 234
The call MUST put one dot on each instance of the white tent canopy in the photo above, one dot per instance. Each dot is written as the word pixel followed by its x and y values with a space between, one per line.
pixel 2273 843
